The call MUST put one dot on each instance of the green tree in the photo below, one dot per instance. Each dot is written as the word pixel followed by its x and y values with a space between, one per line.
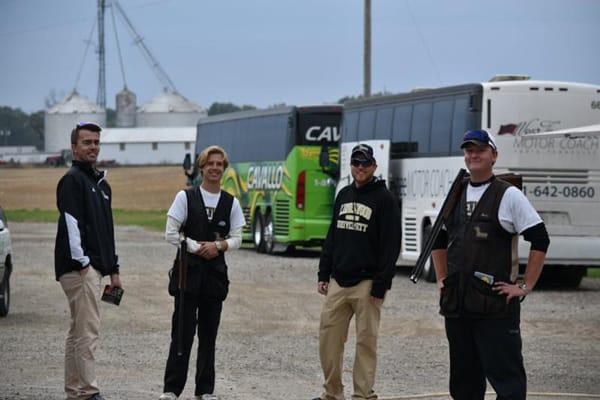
pixel 360 96
pixel 21 129
pixel 223 108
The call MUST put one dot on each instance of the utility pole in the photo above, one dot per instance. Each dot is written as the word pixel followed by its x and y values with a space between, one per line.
pixel 367 54
pixel 101 97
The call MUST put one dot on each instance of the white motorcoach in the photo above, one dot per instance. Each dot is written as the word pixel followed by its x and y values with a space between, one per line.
pixel 419 134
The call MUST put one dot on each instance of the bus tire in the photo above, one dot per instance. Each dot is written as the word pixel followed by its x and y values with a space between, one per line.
pixel 564 276
pixel 258 232
pixel 268 239
pixel 428 269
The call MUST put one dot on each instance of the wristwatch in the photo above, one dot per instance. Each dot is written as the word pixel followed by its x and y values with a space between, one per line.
pixel 218 245
pixel 524 288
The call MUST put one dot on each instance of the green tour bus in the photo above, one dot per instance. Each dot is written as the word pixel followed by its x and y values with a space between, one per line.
pixel 283 168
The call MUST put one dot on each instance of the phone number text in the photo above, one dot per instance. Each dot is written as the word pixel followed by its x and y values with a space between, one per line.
pixel 549 191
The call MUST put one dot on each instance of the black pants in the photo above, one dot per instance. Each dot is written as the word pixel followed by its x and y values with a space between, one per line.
pixel 486 348
pixel 206 313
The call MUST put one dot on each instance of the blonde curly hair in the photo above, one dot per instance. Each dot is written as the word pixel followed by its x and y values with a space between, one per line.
pixel 203 157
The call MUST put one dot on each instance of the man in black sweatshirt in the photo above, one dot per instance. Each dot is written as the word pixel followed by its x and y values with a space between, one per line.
pixel 355 271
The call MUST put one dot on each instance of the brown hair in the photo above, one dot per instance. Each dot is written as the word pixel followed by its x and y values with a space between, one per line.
pixel 88 126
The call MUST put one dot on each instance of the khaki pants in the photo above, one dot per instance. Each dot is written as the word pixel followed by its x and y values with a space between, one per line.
pixel 82 293
pixel 341 304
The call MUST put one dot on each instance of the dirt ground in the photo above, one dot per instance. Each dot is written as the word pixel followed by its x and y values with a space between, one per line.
pixel 268 341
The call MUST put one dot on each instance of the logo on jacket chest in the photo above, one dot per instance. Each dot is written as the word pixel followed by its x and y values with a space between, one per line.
pixel 104 195
pixel 350 214
pixel 479 234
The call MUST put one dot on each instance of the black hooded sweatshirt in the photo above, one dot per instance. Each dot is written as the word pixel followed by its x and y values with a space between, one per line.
pixel 363 241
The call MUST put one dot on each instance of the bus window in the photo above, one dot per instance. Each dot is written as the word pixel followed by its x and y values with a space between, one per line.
pixel 401 127
pixel 383 123
pixel 350 126
pixel 441 127
pixel 366 125
pixel 421 126
pixel 464 118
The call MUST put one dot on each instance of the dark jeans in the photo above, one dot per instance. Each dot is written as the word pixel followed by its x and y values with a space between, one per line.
pixel 486 348
pixel 206 313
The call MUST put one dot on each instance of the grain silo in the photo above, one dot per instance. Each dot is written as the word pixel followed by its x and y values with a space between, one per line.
pixel 60 119
pixel 126 107
pixel 169 109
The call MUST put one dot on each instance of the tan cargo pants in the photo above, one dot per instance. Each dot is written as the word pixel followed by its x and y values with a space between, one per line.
pixel 341 304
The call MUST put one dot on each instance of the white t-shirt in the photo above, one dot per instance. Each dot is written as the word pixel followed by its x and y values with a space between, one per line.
pixel 515 212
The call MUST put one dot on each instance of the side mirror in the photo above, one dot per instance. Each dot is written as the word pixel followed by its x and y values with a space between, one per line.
pixel 327 167
pixel 324 157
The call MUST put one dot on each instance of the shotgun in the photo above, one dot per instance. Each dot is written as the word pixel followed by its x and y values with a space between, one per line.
pixel 445 212
pixel 181 286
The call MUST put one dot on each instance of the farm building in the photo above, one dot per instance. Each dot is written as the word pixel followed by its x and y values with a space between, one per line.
pixel 146 145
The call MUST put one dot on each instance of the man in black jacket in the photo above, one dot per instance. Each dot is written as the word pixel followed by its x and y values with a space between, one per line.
pixel 83 254
pixel 355 271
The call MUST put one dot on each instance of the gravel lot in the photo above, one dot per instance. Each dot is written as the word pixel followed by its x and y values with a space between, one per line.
pixel 267 346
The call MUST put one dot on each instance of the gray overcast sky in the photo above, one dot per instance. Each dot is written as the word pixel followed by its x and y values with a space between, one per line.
pixel 300 52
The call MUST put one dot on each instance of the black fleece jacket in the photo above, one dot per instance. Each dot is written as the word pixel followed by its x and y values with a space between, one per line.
pixel 363 241
pixel 85 233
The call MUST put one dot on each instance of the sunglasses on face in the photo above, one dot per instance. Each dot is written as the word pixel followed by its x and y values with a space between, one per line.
pixel 360 161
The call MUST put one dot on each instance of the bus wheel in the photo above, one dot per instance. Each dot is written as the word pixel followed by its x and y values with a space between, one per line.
pixel 428 270
pixel 566 276
pixel 268 240
pixel 258 236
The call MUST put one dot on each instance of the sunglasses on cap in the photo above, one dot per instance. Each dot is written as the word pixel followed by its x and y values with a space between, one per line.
pixel 361 161
pixel 480 137
pixel 92 126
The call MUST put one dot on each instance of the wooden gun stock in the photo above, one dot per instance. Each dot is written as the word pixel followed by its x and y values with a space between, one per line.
pixel 513 179
pixel 447 207
pixel 181 286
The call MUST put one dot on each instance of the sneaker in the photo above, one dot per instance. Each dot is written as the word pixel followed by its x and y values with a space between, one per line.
pixel 97 396
pixel 168 396
pixel 207 397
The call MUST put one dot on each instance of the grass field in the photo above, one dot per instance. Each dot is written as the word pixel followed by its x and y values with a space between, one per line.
pixel 141 195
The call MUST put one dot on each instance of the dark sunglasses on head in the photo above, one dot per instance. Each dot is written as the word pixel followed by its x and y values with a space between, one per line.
pixel 361 161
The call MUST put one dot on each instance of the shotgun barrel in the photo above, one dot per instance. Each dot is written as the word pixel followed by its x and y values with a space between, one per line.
pixel 447 207
pixel 181 286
